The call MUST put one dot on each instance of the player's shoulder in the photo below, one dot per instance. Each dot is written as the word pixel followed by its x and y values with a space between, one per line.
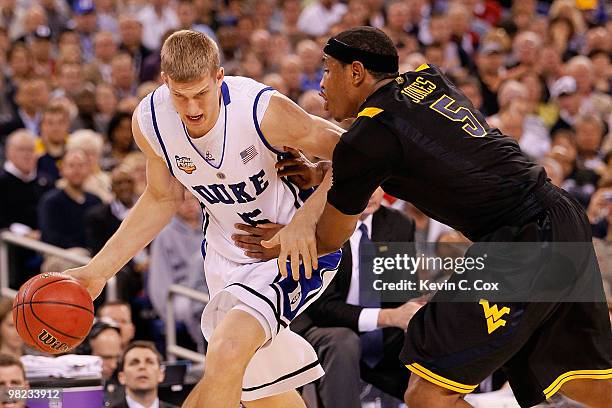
pixel 156 101
pixel 243 88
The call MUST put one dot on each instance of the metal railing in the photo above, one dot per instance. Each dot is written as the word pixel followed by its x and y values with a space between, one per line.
pixel 172 349
pixel 8 238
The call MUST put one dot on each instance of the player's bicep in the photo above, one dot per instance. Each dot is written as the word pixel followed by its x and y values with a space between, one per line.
pixel 286 124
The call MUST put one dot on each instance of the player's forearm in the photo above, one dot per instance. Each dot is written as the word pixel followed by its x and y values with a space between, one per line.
pixel 313 207
pixel 148 216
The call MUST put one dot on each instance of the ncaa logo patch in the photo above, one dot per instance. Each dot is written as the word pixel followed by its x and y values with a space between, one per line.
pixel 185 164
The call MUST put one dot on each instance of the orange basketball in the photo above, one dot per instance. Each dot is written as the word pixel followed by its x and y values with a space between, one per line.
pixel 53 312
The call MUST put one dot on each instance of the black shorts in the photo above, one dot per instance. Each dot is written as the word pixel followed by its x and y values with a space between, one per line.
pixel 539 345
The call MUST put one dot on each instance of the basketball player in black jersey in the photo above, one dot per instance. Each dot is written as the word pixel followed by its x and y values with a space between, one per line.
pixel 421 139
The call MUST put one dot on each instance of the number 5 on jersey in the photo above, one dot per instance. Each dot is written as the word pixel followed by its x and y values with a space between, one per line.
pixel 459 114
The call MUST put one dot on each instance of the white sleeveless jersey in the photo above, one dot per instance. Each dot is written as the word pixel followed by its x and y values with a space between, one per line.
pixel 237 182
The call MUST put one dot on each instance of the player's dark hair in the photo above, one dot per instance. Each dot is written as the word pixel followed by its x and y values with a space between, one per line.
pixel 139 344
pixel 369 39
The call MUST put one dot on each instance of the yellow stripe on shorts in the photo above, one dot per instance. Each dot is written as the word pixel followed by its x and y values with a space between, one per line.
pixel 439 380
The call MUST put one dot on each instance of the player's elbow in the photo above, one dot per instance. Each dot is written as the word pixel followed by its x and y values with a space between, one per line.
pixel 328 243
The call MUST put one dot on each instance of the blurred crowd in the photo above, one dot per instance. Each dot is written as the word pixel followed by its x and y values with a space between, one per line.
pixel 73 71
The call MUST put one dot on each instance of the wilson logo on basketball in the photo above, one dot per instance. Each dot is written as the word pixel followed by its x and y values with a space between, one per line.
pixel 185 164
pixel 48 339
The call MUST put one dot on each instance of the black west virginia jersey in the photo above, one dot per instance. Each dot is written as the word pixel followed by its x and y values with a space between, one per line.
pixel 424 142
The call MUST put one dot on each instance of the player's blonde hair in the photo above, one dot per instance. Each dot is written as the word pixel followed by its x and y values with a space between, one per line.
pixel 189 55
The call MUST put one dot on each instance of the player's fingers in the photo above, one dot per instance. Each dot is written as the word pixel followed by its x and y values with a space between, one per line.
pixel 271 243
pixel 292 171
pixel 248 228
pixel 288 162
pixel 314 256
pixel 247 239
pixel 255 255
pixel 270 225
pixel 282 262
pixel 249 247
pixel 305 252
pixel 295 263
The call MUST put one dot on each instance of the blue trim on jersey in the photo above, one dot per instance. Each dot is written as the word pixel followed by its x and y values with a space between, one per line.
pixel 257 128
pixel 226 101
pixel 159 138
pixel 293 189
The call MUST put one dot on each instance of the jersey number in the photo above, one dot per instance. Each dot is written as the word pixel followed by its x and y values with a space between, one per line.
pixel 249 218
pixel 459 114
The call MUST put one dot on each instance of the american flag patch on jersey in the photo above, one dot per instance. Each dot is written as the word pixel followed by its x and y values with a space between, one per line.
pixel 247 154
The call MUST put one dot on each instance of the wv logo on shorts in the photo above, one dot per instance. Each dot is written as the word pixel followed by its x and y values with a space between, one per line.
pixel 185 164
pixel 493 315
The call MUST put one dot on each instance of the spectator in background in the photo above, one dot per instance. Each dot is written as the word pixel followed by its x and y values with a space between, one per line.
pixel 176 255
pixel 12 375
pixel 107 11
pixel 106 106
pixel 471 88
pixel 136 164
pixel 120 138
pixel 85 22
pixel 141 372
pixel 123 75
pixel 318 17
pixel 130 31
pixel 310 55
pixel 187 16
pixel 70 80
pixel 156 18
pixel 101 222
pixel 61 211
pixel 51 145
pixel 22 189
pixel 119 312
pixel 104 341
pixel 91 143
pixel 10 342
pixel 105 48
pixel 31 98
pixel 42 47
pixel 491 74
pixel 21 186
pixel 565 92
pixel 291 72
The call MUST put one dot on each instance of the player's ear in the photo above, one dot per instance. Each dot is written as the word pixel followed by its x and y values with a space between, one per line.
pixel 164 77
pixel 358 73
pixel 220 75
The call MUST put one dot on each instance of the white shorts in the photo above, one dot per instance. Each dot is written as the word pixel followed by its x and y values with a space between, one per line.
pixel 286 361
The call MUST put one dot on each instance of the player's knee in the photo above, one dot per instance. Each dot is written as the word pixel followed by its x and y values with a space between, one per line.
pixel 227 354
pixel 423 394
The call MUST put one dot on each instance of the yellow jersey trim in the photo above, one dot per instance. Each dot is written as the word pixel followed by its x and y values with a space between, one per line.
pixel 422 67
pixel 369 112
pixel 439 380
pixel 573 375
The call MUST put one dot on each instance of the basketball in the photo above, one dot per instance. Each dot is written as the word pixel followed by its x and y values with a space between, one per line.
pixel 53 312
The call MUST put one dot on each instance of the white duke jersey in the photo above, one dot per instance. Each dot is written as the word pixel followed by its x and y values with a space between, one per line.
pixel 230 169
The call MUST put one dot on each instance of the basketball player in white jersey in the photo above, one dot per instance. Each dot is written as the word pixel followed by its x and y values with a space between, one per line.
pixel 220 138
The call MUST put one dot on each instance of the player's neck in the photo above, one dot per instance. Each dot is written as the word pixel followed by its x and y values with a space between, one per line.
pixel 369 89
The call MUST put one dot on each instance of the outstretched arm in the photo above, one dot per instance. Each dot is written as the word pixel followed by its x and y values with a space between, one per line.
pixel 150 214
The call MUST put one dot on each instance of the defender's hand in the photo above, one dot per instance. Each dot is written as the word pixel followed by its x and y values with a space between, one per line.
pixel 301 171
pixel 297 242
pixel 251 242
pixel 93 282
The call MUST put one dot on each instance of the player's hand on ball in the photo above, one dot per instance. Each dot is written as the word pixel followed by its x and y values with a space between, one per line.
pixel 251 242
pixel 297 242
pixel 93 282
